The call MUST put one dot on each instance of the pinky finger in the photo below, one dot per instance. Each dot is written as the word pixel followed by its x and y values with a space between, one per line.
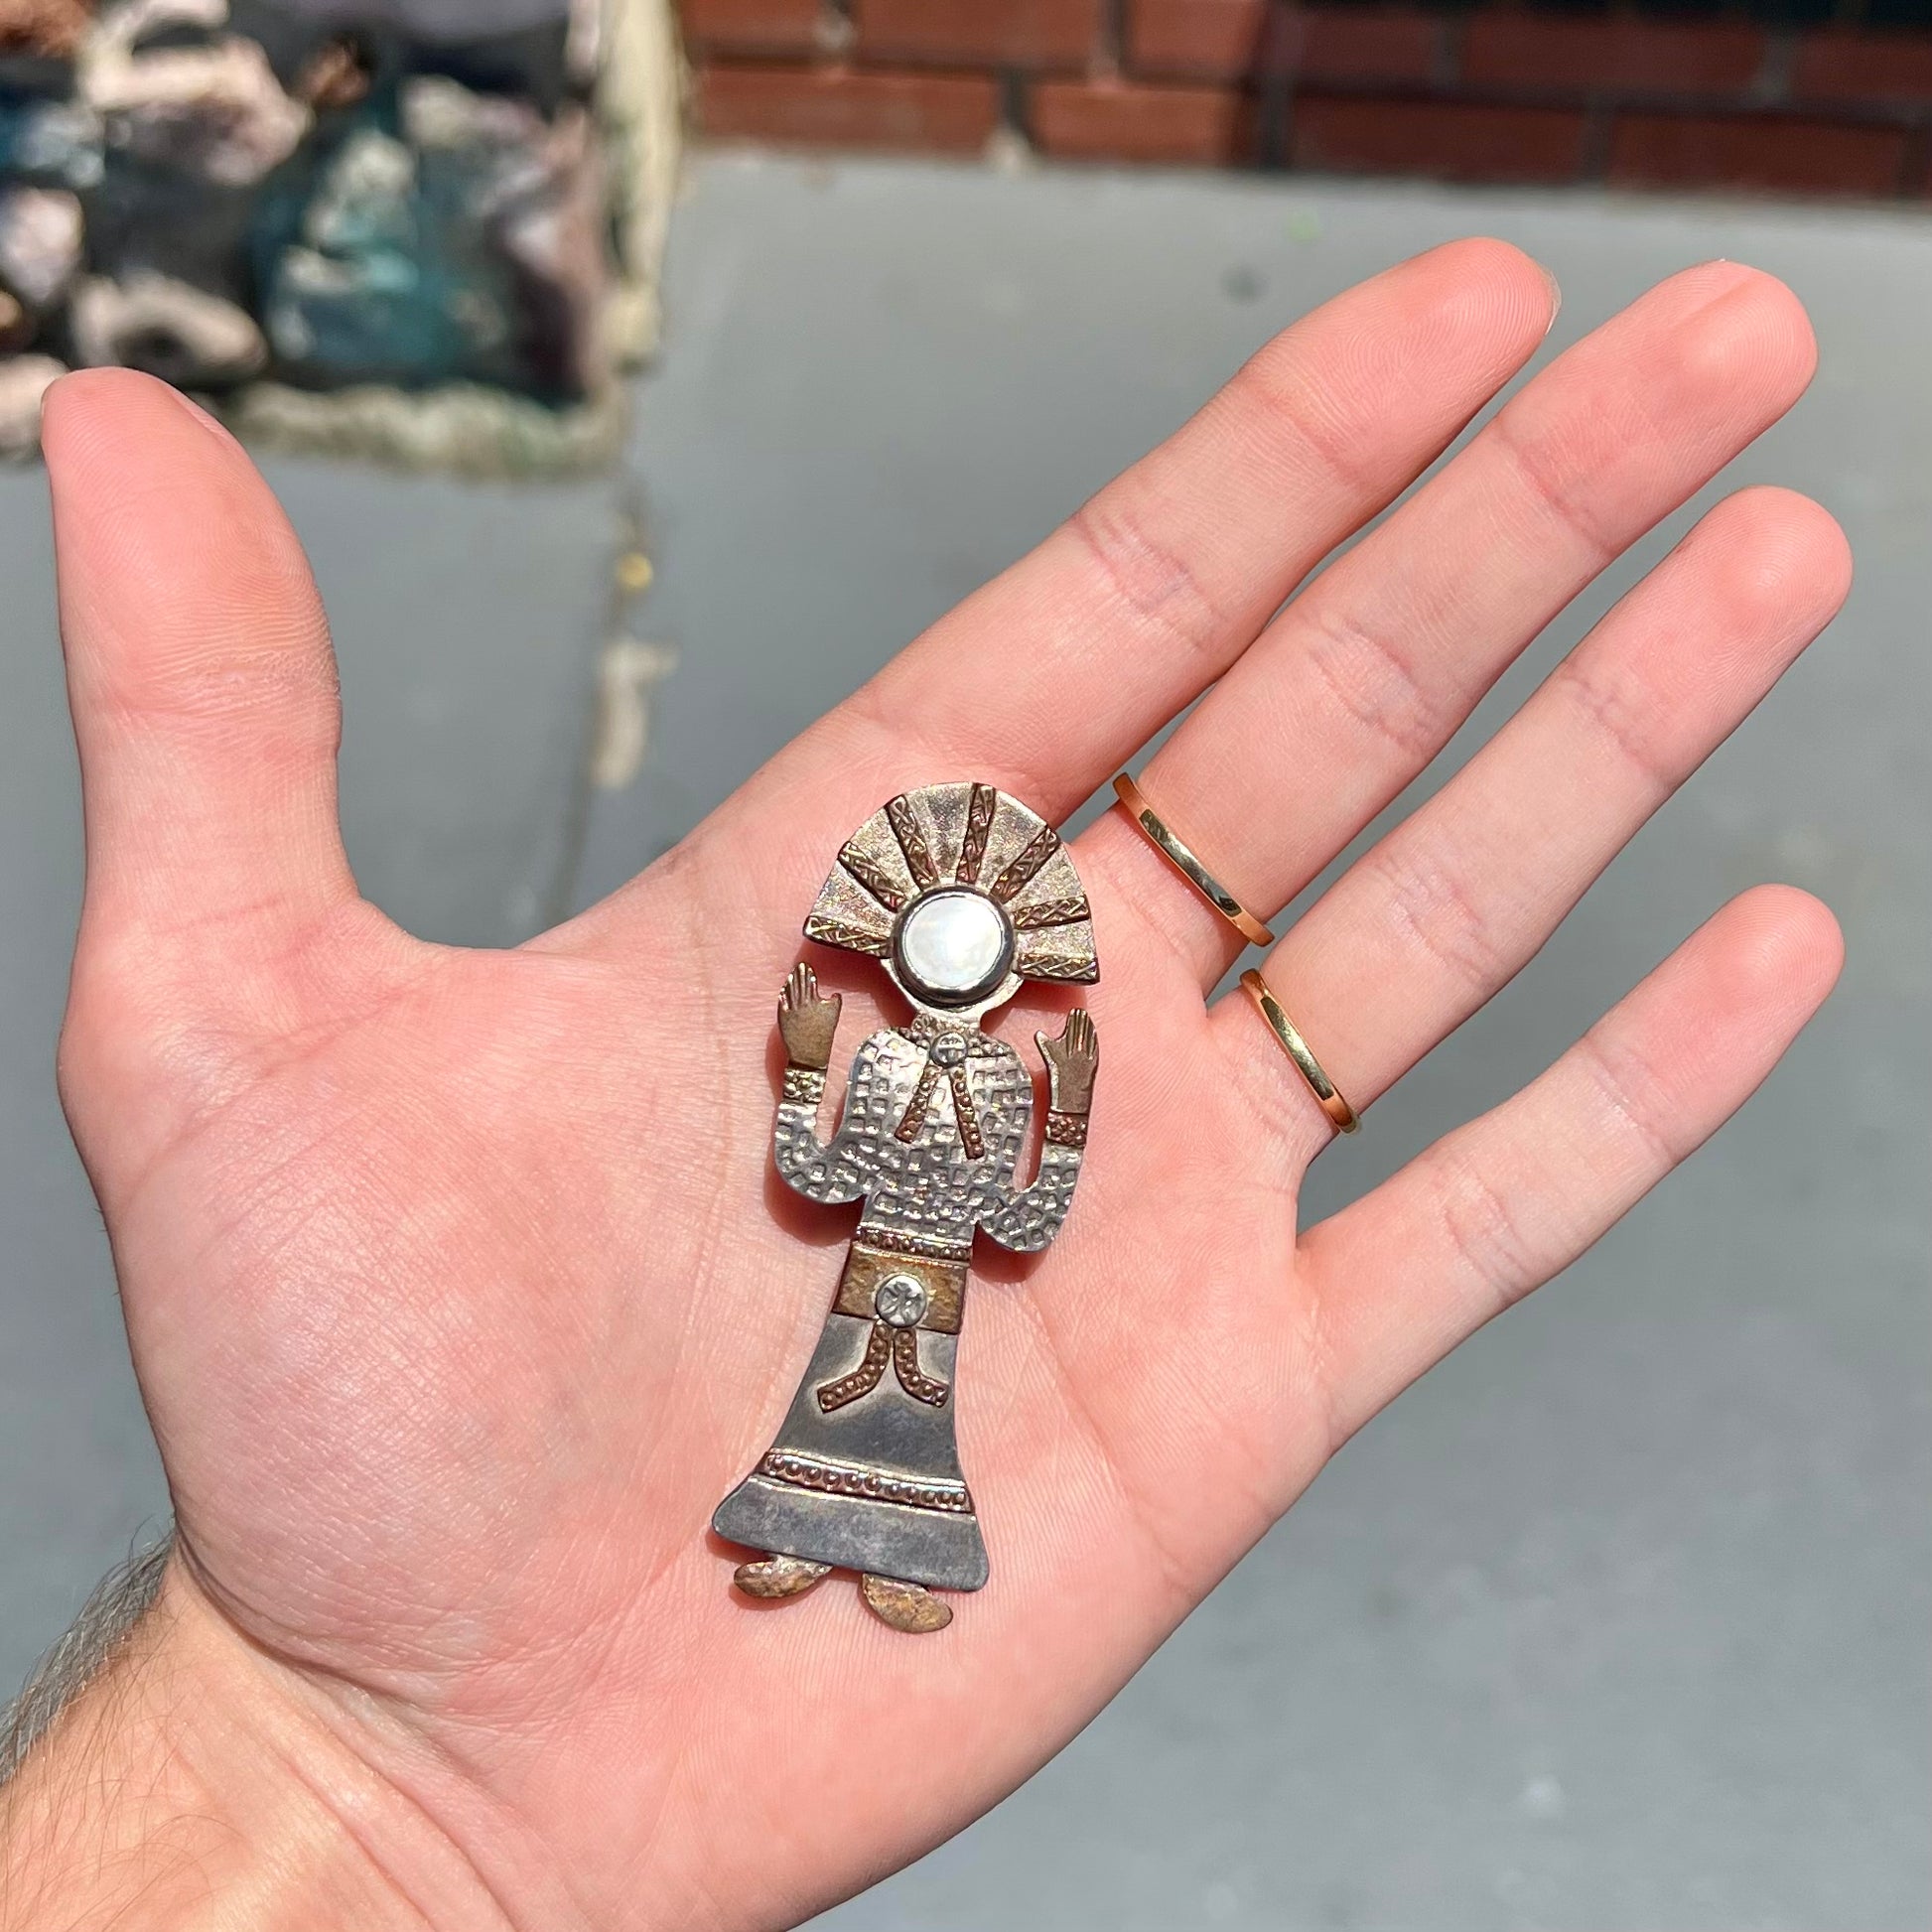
pixel 1496 1208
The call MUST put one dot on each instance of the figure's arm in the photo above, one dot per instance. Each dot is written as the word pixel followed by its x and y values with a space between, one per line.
pixel 1029 1218
pixel 817 1169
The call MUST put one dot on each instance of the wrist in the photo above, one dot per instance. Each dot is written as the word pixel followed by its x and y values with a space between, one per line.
pixel 1070 1097
pixel 197 1777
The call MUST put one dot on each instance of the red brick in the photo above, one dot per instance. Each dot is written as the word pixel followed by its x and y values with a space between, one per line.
pixel 1363 43
pixel 1234 40
pixel 1849 66
pixel 750 26
pixel 979 32
pixel 1455 140
pixel 1781 155
pixel 832 107
pixel 1208 40
pixel 1111 121
pixel 1623 53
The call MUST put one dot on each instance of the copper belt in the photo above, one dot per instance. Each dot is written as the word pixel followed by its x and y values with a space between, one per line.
pixel 896 1344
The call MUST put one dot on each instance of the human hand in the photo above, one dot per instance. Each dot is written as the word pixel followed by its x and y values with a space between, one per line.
pixel 807 1020
pixel 1071 1063
pixel 453 1280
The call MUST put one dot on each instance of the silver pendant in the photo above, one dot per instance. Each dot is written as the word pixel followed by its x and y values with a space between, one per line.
pixel 962 893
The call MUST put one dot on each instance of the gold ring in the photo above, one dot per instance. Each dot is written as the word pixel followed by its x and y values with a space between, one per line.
pixel 1155 830
pixel 1296 1048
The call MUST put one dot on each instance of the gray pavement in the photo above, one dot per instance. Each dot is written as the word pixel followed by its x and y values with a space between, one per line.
pixel 1619 1620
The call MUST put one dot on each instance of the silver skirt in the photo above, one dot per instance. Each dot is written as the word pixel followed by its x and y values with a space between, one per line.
pixel 874 1487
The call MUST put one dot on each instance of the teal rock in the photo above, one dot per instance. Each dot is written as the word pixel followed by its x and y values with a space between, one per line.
pixel 525 196
pixel 466 246
pixel 50 143
pixel 377 289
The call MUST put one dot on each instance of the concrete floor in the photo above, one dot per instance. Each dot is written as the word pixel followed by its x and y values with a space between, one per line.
pixel 1619 1619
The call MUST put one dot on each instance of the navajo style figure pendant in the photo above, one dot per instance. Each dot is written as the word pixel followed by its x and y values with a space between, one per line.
pixel 962 893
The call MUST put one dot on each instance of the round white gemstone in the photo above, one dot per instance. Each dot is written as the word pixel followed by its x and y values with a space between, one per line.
pixel 954 945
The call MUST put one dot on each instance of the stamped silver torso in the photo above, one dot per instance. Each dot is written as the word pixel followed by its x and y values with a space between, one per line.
pixel 927 1185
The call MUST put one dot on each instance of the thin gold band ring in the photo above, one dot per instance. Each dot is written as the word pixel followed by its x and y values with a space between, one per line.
pixel 1296 1048
pixel 1155 829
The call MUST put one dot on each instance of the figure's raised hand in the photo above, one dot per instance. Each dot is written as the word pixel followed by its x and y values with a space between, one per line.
pixel 807 1019
pixel 454 1279
pixel 1072 1059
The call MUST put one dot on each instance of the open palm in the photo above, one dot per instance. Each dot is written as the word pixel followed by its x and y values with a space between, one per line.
pixel 461 1286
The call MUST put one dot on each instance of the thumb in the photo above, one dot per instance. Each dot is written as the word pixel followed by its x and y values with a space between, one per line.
pixel 200 670
pixel 204 706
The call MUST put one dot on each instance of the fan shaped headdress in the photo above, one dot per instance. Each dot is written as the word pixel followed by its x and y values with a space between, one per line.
pixel 963 892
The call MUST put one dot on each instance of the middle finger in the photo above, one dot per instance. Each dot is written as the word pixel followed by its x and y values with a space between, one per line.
pixel 1357 685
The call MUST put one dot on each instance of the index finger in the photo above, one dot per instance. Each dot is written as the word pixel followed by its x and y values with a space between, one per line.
pixel 1139 602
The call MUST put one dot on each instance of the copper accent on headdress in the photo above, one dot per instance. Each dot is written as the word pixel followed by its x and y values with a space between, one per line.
pixel 1072 963
pixel 1051 912
pixel 911 842
pixel 979 822
pixel 835 933
pixel 1019 875
pixel 872 877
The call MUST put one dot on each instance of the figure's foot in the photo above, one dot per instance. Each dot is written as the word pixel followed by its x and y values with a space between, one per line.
pixel 779 1576
pixel 905 1606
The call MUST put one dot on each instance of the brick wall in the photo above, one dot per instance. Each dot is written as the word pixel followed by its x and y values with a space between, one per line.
pixel 1499 93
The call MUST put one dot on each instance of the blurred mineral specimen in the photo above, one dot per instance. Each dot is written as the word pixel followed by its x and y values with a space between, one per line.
pixel 532 193
pixel 171 225
pixel 469 249
pixel 359 297
pixel 376 224
pixel 442 116
pixel 336 75
pixel 23 380
pixel 180 333
pixel 50 141
pixel 39 244
pixel 216 111
pixel 48 29
pixel 440 20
